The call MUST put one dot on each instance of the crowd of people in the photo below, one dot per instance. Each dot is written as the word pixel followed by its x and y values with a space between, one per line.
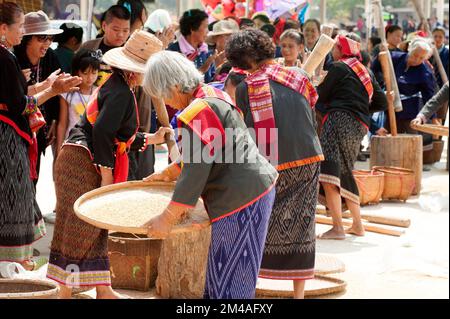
pixel 94 104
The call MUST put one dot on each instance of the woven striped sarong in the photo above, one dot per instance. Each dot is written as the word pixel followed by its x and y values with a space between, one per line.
pixel 79 251
pixel 21 222
pixel 290 249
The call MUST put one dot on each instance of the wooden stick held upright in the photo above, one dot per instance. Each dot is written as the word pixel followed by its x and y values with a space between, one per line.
pixel 381 31
pixel 322 48
pixel 383 58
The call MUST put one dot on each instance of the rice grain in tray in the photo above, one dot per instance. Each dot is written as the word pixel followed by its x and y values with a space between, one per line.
pixel 129 206
pixel 140 206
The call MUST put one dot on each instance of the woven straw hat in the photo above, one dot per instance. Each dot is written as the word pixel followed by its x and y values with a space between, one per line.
pixel 38 23
pixel 134 55
pixel 224 27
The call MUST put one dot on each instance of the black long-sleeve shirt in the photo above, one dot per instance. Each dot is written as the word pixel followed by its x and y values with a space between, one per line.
pixel 116 120
pixel 342 90
pixel 435 103
pixel 13 90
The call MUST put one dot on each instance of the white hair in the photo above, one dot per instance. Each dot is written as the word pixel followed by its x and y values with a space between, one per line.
pixel 420 43
pixel 166 70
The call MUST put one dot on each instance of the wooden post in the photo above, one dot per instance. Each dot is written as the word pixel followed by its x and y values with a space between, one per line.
pixel 84 8
pixel 89 19
pixel 182 265
pixel 369 18
pixel 440 11
pixel 427 8
pixel 383 58
pixel 439 64
pixel 381 30
pixel 323 11
pixel 403 150
pixel 420 12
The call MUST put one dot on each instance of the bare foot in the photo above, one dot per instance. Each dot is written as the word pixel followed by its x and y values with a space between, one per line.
pixel 357 230
pixel 28 265
pixel 335 234
pixel 64 292
pixel 110 294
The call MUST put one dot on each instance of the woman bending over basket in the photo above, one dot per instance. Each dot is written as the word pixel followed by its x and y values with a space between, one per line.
pixel 221 163
pixel 95 155
pixel 278 103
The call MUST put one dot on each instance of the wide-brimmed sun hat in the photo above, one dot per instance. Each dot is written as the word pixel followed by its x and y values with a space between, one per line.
pixel 136 52
pixel 38 23
pixel 222 27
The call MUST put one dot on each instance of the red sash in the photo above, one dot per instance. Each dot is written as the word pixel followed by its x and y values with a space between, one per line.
pixel 121 163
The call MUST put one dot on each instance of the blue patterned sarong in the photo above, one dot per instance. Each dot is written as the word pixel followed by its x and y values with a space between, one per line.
pixel 235 253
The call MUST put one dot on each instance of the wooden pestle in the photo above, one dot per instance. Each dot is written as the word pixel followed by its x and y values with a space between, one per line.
pixel 322 48
pixel 383 58
pixel 381 31
pixel 327 30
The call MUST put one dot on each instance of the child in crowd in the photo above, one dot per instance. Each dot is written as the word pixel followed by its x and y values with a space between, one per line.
pixel 85 64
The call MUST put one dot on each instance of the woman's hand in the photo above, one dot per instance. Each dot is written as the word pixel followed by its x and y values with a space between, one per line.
pixel 51 135
pixel 169 174
pixel 166 36
pixel 65 83
pixel 382 132
pixel 52 78
pixel 158 177
pixel 390 96
pixel 107 176
pixel 159 227
pixel 160 136
pixel 212 58
pixel 27 74
pixel 220 59
pixel 418 120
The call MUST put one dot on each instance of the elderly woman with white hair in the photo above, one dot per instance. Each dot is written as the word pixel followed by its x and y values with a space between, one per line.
pixel 416 81
pixel 234 180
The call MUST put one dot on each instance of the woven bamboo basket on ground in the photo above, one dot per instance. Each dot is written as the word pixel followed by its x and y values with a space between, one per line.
pixel 432 129
pixel 370 186
pixel 27 289
pixel 133 260
pixel 319 286
pixel 399 182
